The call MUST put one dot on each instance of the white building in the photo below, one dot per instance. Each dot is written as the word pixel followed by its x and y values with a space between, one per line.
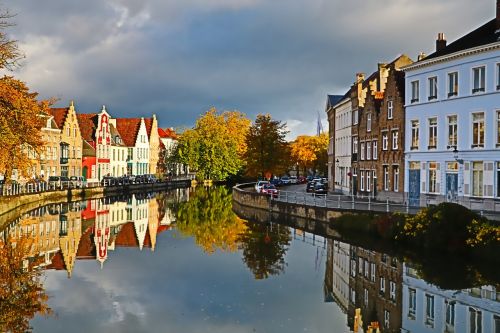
pixel 429 309
pixel 135 136
pixel 341 272
pixel 343 146
pixel 452 141
pixel 331 102
pixel 119 152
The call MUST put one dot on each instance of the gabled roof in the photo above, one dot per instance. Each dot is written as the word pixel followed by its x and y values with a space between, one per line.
pixel 128 129
pixel 59 115
pixel 114 135
pixel 88 125
pixel 167 133
pixel 485 34
pixel 87 149
pixel 149 125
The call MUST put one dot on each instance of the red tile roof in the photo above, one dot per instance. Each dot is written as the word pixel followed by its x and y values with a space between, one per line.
pixel 86 247
pixel 88 125
pixel 59 115
pixel 167 133
pixel 128 129
pixel 149 125
pixel 57 262
pixel 127 237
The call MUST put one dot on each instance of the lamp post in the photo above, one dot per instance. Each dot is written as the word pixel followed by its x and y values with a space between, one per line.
pixel 337 171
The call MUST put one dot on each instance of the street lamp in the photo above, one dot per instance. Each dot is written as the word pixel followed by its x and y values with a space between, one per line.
pixel 455 155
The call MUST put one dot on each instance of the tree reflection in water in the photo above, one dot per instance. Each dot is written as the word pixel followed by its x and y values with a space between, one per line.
pixel 209 218
pixel 21 291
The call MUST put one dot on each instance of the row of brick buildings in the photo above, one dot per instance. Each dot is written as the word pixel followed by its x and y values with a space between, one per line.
pixel 425 131
pixel 94 145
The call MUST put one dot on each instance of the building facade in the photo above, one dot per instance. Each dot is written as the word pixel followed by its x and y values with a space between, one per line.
pixel 135 137
pixel 154 143
pixel 452 146
pixel 343 145
pixel 331 101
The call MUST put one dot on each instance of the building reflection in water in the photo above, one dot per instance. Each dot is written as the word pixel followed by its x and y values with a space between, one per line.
pixel 377 290
pixel 88 230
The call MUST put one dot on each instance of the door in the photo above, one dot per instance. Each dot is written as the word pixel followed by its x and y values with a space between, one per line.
pixel 414 188
pixel 354 185
pixel 451 187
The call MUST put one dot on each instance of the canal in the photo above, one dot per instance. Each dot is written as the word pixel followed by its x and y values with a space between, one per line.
pixel 183 261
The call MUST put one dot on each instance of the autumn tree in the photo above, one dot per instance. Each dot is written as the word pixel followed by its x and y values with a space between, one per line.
pixel 267 150
pixel 310 152
pixel 22 295
pixel 208 217
pixel 20 112
pixel 215 146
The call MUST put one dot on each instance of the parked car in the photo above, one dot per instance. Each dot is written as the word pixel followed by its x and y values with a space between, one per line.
pixel 59 181
pixel 301 180
pixel 260 184
pixel 108 181
pixel 320 188
pixel 285 180
pixel 293 180
pixel 150 179
pixel 270 189
pixel 310 186
pixel 276 181
pixel 77 181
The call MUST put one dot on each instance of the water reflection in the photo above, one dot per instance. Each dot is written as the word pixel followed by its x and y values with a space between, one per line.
pixel 150 283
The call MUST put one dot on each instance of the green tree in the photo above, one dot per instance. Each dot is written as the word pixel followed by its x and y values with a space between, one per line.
pixel 267 150
pixel 214 147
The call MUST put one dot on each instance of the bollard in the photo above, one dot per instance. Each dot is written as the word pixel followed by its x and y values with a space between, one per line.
pixel 352 203
pixel 338 205
pixel 387 207
pixel 369 203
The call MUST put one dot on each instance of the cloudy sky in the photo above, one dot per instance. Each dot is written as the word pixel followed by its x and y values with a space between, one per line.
pixel 177 58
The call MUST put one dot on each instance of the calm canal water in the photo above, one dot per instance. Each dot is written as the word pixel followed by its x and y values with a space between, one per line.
pixel 182 261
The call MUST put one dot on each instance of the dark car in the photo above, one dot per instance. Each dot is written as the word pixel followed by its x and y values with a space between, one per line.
pixel 58 182
pixel 320 188
pixel 108 181
pixel 310 186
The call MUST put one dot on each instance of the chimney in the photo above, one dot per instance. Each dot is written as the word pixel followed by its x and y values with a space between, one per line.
pixel 360 77
pixel 441 42
pixel 421 56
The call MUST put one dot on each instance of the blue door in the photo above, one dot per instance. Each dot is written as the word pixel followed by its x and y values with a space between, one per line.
pixel 451 187
pixel 414 188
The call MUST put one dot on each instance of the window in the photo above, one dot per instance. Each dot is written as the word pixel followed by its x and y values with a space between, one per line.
pixel 414 134
pixel 372 272
pixel 386 318
pixel 498 76
pixel 449 315
pixel 412 303
pixel 386 177
pixel 355 117
pixel 452 84
pixel 395 175
pixel 369 122
pixel 414 92
pixel 362 182
pixel 432 88
pixel 362 151
pixel 429 310
pixel 367 268
pixel 366 296
pixel 392 290
pixel 394 140
pixel 368 150
pixel 390 109
pixel 433 177
pixel 385 140
pixel 498 128
pixel 478 79
pixel 382 285
pixel 477 179
pixel 498 179
pixel 375 153
pixel 452 131
pixel 475 321
pixel 432 133
pixel 477 130
pixel 355 145
pixel 368 180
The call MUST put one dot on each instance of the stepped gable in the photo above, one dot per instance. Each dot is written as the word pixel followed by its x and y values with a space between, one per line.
pixel 485 34
pixel 88 125
pixel 167 133
pixel 59 115
pixel 128 129
pixel 127 237
pixel 149 125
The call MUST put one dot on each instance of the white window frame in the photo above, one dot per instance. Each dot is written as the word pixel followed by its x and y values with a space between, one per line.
pixel 385 140
pixel 390 109
pixel 452 131
pixel 415 91
pixel 382 284
pixel 433 177
pixel 433 133
pixel 392 290
pixel 355 117
pixel 368 150
pixel 362 148
pixel 368 180
pixel 480 85
pixel 369 122
pixel 415 134
pixel 477 171
pixel 395 138
pixel 354 144
pixel 452 84
pixel 433 89
pixel 395 176
pixel 362 181
pixel 498 75
pixel 497 127
pixel 385 170
pixel 375 152
pixel 478 141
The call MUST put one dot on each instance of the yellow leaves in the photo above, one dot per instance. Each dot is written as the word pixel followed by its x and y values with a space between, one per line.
pixel 305 150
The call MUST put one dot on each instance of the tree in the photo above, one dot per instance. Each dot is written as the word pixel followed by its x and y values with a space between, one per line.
pixel 21 120
pixel 20 112
pixel 21 291
pixel 267 150
pixel 214 147
pixel 310 152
